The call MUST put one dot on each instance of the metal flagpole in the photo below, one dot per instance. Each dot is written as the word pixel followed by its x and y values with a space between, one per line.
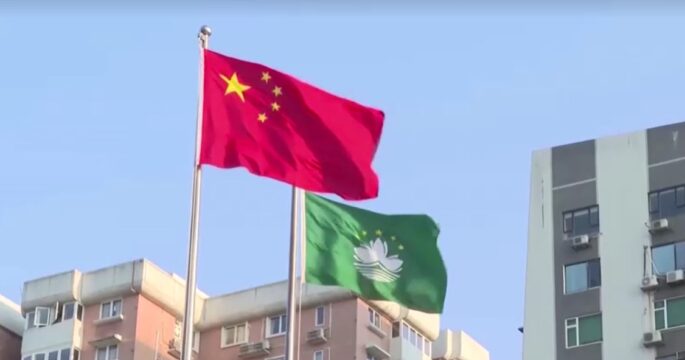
pixel 292 275
pixel 189 317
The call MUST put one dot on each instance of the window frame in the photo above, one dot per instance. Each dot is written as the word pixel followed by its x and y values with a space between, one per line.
pixel 36 319
pixel 664 309
pixel 283 325
pixel 676 260
pixel 576 326
pixel 30 324
pixel 374 318
pixel 323 316
pixel 107 351
pixel 77 311
pixel 656 196
pixel 587 275
pixel 572 213
pixel 111 308
pixel 318 352
pixel 406 332
pixel 235 342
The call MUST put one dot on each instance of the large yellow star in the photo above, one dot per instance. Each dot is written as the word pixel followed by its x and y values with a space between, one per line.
pixel 233 85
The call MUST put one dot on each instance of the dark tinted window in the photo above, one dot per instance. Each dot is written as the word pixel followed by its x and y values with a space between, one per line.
pixel 680 255
pixel 64 354
pixel 581 221
pixel 68 311
pixel 594 274
pixel 667 202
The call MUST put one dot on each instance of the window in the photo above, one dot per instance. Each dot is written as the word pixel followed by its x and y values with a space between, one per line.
pixel 69 310
pixel 374 318
pixel 277 325
pixel 395 329
pixel 583 330
pixel 233 335
pixel 582 276
pixel 27 357
pixel 667 202
pixel 30 319
pixel 110 309
pixel 76 354
pixel 668 257
pixel 415 338
pixel 370 357
pixel 581 221
pixel 42 316
pixel 39 357
pixel 319 317
pixel 53 355
pixel 318 355
pixel 107 353
pixel 64 354
pixel 669 313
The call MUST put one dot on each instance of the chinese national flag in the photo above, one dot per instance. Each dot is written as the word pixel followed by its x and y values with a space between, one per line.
pixel 282 128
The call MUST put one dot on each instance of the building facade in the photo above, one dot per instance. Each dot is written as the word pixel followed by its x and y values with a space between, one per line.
pixel 11 329
pixel 134 311
pixel 606 249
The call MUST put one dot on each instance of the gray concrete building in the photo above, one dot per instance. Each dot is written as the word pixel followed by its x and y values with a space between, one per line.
pixel 606 249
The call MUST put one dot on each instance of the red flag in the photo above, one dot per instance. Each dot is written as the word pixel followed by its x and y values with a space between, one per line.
pixel 282 128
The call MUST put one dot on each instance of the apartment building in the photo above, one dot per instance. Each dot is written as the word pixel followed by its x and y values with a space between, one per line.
pixel 606 249
pixel 11 329
pixel 134 311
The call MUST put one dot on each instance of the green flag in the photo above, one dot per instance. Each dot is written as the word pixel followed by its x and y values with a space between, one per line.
pixel 378 257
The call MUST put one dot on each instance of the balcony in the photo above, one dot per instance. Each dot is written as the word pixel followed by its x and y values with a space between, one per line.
pixel 60 335
pixel 402 349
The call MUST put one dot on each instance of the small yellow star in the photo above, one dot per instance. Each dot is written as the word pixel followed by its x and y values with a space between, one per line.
pixel 266 77
pixel 275 106
pixel 393 238
pixel 233 85
pixel 262 117
pixel 363 232
pixel 379 233
pixel 401 247
pixel 277 91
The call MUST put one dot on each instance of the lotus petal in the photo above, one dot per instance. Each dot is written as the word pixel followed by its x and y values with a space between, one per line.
pixel 380 248
pixel 365 254
pixel 392 263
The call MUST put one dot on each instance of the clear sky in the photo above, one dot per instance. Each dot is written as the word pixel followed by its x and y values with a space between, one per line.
pixel 97 116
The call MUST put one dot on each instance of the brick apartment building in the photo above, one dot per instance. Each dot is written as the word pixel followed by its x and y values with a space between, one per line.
pixel 11 329
pixel 133 311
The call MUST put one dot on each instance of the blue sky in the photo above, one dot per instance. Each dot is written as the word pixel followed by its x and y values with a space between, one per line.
pixel 97 116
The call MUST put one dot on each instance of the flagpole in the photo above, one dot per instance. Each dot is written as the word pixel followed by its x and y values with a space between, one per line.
pixel 189 317
pixel 292 274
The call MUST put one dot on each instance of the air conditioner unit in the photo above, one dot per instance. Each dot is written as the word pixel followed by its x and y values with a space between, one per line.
pixel 658 225
pixel 317 336
pixel 652 339
pixel 257 349
pixel 580 242
pixel 650 282
pixel 675 277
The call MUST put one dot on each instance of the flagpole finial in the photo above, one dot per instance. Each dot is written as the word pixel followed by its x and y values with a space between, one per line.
pixel 205 30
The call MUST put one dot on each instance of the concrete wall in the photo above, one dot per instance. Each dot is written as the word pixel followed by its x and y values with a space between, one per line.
pixel 539 342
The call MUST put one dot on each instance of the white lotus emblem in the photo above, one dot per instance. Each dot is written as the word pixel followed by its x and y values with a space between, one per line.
pixel 373 262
